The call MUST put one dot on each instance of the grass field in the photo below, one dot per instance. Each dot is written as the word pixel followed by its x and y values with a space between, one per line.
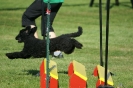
pixel 20 73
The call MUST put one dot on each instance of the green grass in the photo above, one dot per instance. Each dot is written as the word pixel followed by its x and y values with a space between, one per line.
pixel 20 73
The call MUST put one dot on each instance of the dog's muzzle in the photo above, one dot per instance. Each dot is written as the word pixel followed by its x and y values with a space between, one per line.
pixel 19 39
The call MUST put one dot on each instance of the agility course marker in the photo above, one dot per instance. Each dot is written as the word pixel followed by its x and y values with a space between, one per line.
pixel 100 72
pixel 53 82
pixel 77 75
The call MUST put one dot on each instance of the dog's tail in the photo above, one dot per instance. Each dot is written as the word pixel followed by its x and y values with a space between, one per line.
pixel 76 34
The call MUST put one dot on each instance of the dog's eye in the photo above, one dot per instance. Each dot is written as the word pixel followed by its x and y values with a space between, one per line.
pixel 26 31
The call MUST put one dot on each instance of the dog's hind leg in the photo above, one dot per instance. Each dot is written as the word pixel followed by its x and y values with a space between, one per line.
pixel 77 44
pixel 69 50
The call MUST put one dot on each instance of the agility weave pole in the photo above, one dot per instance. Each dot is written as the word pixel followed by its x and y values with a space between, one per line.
pixel 48 68
pixel 107 38
pixel 100 21
pixel 104 76
pixel 47 38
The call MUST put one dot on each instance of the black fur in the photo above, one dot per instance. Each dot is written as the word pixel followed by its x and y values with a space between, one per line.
pixel 36 48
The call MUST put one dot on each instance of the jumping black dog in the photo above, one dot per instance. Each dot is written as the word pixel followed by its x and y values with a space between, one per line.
pixel 36 48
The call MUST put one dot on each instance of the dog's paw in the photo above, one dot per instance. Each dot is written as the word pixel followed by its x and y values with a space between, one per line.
pixel 10 56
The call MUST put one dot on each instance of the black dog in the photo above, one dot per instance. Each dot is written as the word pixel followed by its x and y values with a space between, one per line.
pixel 36 48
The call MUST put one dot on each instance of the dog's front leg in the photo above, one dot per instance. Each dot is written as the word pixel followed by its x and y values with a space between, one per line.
pixel 16 55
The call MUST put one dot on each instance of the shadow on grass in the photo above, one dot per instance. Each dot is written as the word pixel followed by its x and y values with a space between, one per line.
pixel 37 72
pixel 10 9
pixel 32 72
pixel 63 72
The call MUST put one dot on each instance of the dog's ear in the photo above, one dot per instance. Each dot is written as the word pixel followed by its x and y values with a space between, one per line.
pixel 31 30
pixel 28 29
